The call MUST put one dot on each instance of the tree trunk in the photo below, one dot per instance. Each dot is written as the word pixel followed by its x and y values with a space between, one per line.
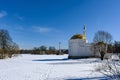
pixel 102 55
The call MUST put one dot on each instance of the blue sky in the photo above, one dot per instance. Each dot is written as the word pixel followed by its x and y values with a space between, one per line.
pixel 32 23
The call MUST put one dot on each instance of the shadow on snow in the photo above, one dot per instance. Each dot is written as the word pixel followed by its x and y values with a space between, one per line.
pixel 92 78
pixel 68 61
pixel 51 59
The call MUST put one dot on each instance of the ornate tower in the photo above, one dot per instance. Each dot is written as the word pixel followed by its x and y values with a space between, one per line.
pixel 84 30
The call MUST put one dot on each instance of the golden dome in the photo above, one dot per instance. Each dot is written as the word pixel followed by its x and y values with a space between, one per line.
pixel 78 36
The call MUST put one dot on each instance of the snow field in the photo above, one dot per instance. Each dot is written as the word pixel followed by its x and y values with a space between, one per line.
pixel 47 67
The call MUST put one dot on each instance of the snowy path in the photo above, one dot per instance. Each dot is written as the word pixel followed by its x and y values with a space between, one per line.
pixel 47 67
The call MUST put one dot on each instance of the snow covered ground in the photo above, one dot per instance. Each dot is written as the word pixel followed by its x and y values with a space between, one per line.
pixel 48 67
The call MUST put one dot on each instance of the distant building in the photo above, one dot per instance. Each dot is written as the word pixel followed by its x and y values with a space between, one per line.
pixel 79 46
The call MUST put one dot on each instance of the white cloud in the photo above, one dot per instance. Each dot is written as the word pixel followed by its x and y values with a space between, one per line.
pixel 3 14
pixel 4 26
pixel 42 29
pixel 20 18
pixel 19 28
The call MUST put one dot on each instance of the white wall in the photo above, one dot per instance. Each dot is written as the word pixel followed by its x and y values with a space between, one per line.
pixel 78 47
pixel 115 56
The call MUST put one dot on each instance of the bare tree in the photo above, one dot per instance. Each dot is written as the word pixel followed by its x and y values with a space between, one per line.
pixel 43 49
pixel 102 36
pixel 5 41
pixel 35 50
pixel 110 69
pixel 6 44
pixel 52 50
pixel 13 49
pixel 117 47
pixel 101 41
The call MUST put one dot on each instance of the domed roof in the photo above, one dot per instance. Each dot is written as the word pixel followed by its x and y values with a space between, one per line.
pixel 78 36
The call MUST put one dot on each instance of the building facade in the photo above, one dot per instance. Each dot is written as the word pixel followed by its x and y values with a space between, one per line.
pixel 79 46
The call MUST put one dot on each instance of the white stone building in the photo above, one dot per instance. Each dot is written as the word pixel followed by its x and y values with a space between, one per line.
pixel 79 46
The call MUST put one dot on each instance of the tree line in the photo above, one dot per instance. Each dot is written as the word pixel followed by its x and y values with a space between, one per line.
pixel 44 50
pixel 7 46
